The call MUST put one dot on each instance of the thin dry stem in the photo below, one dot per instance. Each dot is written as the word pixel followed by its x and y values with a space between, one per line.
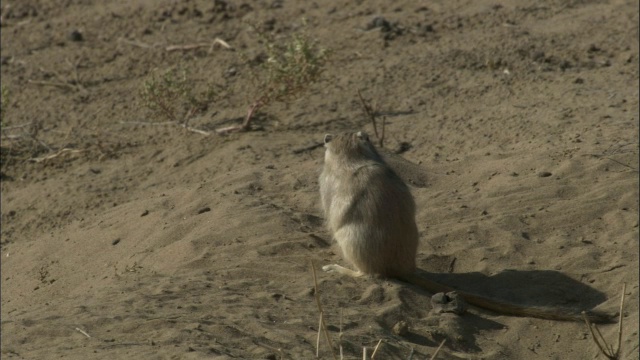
pixel 371 114
pixel 438 350
pixel 198 131
pixel 595 338
pixel 52 83
pixel 246 124
pixel 83 333
pixel 317 296
pixel 624 289
pixel 58 153
pixel 606 349
pixel 318 338
pixel 340 337
pixel 375 350
pixel 229 129
pixel 195 46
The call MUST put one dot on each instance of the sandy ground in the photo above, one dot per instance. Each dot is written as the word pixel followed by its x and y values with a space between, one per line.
pixel 144 240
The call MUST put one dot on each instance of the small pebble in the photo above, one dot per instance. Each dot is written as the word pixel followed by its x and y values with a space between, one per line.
pixel 379 22
pixel 76 36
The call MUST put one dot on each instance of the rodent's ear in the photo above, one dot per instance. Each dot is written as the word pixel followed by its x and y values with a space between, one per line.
pixel 327 138
pixel 362 135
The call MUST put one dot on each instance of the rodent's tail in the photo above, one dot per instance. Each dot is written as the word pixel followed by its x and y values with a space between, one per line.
pixel 549 313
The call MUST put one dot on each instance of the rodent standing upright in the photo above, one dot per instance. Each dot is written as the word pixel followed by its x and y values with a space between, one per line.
pixel 370 212
pixel 368 208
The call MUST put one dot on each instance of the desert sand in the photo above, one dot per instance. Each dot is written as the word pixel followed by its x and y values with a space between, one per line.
pixel 127 237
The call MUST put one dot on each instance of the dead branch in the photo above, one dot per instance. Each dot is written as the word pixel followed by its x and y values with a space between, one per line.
pixel 198 131
pixel 58 153
pixel 195 46
pixel 253 108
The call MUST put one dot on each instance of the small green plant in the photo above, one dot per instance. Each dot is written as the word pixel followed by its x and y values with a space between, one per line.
pixel 288 71
pixel 171 95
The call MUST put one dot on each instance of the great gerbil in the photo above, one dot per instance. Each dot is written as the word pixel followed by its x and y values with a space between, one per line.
pixel 371 213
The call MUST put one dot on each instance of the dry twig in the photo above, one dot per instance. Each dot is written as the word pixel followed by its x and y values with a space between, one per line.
pixel 375 350
pixel 52 83
pixel 199 45
pixel 56 154
pixel 317 296
pixel 372 114
pixel 606 349
pixel 83 332
pixel 438 350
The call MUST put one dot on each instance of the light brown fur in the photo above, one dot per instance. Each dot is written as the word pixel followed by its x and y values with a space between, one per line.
pixel 358 190
pixel 371 214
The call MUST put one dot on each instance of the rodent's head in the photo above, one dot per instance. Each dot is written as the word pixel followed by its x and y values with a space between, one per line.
pixel 352 146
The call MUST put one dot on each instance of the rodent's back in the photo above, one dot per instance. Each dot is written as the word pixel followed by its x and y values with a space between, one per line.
pixel 368 208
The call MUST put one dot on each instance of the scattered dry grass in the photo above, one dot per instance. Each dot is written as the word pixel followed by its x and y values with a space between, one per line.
pixel 288 71
pixel 170 95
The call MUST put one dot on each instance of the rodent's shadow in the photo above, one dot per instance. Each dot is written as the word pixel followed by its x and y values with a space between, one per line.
pixel 524 287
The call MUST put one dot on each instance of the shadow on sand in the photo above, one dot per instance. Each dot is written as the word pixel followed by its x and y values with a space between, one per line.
pixel 524 287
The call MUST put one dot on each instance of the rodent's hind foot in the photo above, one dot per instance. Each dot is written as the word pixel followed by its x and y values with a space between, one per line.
pixel 330 268
pixel 341 270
